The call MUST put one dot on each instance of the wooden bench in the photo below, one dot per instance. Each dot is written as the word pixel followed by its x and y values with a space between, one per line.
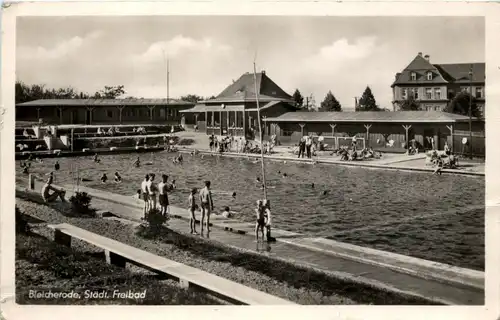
pixel 119 254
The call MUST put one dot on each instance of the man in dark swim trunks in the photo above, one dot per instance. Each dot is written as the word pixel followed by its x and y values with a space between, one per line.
pixel 261 221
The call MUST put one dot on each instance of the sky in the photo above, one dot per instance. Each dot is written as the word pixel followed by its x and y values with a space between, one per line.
pixel 206 53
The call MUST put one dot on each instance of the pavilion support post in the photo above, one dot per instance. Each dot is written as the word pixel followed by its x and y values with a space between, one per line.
pixel 367 127
pixel 60 114
pixel 227 121
pixel 450 127
pixel 220 123
pixel 90 109
pixel 120 111
pixel 302 129
pixel 406 129
pixel 244 123
pixel 38 114
pixel 333 126
pixel 151 112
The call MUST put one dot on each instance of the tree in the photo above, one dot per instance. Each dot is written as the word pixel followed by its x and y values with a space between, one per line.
pixel 192 98
pixel 460 105
pixel 110 92
pixel 330 103
pixel 25 93
pixel 310 104
pixel 298 98
pixel 409 104
pixel 367 101
pixel 210 98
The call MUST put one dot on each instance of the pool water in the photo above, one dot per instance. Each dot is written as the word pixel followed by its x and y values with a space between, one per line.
pixel 438 218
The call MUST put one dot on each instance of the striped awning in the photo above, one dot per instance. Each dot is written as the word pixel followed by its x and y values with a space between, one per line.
pixel 213 108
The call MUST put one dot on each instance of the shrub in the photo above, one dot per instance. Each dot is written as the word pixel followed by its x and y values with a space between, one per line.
pixel 154 224
pixel 80 204
pixel 22 225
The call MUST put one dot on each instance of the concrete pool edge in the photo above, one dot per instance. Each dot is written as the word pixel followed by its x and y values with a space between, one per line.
pixel 324 161
pixel 425 269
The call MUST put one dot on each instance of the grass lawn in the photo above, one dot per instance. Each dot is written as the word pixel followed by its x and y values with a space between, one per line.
pixel 42 265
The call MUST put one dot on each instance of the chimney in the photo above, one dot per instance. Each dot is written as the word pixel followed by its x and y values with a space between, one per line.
pixel 263 71
pixel 420 53
pixel 355 102
pixel 427 57
pixel 397 75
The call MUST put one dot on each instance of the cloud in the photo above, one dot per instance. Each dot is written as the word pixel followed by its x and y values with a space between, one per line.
pixel 60 50
pixel 181 46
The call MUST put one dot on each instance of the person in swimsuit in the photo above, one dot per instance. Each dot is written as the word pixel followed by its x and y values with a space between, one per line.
pixel 96 158
pixel 104 178
pixel 57 166
pixel 267 217
pixel 163 196
pixel 261 222
pixel 152 188
pixel 207 205
pixel 118 178
pixel 137 162
pixel 47 196
pixel 192 207
pixel 144 195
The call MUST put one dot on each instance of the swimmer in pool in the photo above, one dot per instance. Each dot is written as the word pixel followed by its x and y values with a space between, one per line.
pixel 234 195
pixel 325 192
pixel 285 175
pixel 104 178
pixel 57 166
pixel 312 185
pixel 96 158
pixel 118 178
pixel 257 179
pixel 137 162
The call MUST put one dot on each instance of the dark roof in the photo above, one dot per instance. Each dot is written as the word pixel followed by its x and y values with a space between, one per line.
pixel 441 73
pixel 370 116
pixel 420 66
pixel 459 72
pixel 103 102
pixel 243 89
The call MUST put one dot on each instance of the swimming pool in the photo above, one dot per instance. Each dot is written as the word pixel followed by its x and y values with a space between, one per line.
pixel 438 218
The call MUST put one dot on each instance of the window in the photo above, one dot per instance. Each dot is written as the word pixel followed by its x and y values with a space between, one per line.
pixel 413 76
pixel 436 108
pixel 429 75
pixel 414 93
pixel 109 113
pixel 479 92
pixel 404 93
pixel 428 93
pixel 437 93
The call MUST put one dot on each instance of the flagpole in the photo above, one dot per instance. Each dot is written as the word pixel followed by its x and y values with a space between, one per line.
pixel 260 132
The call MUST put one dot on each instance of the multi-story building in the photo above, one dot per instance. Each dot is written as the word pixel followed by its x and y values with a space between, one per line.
pixel 434 85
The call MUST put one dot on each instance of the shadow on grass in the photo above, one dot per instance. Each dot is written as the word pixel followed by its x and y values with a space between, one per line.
pixel 288 272
pixel 81 272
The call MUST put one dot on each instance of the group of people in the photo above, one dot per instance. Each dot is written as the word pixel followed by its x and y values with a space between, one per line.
pixel 110 132
pixel 307 147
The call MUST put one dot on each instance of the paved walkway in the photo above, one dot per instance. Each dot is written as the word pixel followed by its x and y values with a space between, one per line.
pixel 382 269
pixel 388 161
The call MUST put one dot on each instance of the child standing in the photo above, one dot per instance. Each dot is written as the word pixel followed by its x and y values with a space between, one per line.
pixel 192 208
pixel 260 223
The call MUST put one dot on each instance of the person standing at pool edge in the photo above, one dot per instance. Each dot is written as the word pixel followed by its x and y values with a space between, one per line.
pixel 163 196
pixel 144 195
pixel 207 205
pixel 192 208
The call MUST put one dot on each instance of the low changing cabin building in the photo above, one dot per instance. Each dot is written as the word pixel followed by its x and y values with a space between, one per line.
pixel 102 111
pixel 381 130
pixel 435 85
pixel 234 110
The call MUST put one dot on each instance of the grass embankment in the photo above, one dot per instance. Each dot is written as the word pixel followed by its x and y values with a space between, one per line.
pixel 298 284
pixel 42 265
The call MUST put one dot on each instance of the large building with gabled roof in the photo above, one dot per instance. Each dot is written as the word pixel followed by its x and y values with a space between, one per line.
pixel 434 85
pixel 234 110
